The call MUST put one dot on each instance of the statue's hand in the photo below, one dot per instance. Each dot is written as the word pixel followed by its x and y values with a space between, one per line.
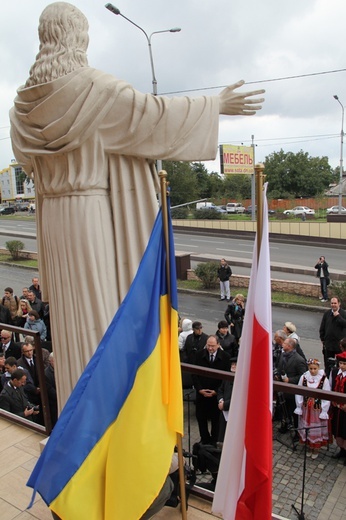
pixel 237 103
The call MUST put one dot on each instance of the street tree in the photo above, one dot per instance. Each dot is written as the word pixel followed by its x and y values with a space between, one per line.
pixel 297 174
pixel 183 182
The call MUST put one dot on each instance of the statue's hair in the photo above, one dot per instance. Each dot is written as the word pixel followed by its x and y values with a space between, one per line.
pixel 63 33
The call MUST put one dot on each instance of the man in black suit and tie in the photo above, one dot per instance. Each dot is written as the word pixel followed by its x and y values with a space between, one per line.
pixel 212 356
pixel 13 398
pixel 9 347
pixel 28 362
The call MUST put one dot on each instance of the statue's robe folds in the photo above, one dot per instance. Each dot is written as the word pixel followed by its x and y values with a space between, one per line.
pixel 90 141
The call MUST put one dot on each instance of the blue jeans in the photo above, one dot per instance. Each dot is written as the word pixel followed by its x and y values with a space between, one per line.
pixel 324 292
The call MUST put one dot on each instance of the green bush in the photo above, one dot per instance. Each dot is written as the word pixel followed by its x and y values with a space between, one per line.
pixel 207 273
pixel 14 247
pixel 180 213
pixel 339 289
pixel 209 214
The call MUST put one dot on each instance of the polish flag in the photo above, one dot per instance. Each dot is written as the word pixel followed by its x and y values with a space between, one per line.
pixel 244 484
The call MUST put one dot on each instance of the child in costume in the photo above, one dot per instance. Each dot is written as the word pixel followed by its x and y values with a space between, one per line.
pixel 313 413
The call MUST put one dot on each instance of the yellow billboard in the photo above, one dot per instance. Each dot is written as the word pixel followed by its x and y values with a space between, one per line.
pixel 236 159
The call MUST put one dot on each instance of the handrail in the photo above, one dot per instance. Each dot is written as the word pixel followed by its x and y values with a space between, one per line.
pixel 287 388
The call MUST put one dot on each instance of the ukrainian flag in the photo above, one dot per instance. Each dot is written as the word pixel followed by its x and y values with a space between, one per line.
pixel 110 452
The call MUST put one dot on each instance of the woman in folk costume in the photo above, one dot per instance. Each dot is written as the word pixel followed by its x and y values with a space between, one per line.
pixel 90 141
pixel 313 413
pixel 338 411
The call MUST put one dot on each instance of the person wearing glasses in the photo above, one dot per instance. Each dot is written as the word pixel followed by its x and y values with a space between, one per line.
pixel 9 347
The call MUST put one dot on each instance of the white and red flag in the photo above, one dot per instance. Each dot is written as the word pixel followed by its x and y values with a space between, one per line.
pixel 244 483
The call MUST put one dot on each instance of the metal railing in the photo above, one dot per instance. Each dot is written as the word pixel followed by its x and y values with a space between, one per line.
pixel 278 387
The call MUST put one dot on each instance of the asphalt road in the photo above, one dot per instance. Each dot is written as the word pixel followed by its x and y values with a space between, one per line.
pixel 301 255
pixel 235 249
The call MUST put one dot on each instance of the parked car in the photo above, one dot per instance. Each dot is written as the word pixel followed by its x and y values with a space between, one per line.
pixel 210 205
pixel 234 207
pixel 299 210
pixel 7 210
pixel 335 209
pixel 248 210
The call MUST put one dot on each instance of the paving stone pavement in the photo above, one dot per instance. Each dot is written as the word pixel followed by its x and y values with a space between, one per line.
pixel 322 474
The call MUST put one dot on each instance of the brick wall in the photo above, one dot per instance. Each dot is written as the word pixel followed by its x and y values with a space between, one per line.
pixel 301 288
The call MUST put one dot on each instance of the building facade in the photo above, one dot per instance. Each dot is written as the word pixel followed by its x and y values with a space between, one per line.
pixel 15 185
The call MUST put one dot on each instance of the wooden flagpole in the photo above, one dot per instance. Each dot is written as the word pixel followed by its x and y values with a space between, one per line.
pixel 163 186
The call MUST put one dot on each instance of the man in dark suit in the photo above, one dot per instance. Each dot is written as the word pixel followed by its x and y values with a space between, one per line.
pixel 28 362
pixel 332 330
pixel 212 356
pixel 9 347
pixel 13 398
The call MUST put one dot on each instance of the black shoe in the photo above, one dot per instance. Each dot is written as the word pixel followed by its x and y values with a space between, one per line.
pixel 283 428
pixel 339 454
pixel 222 299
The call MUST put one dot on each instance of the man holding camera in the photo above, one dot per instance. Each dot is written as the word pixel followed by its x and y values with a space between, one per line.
pixel 13 398
pixel 323 275
pixel 288 369
pixel 332 330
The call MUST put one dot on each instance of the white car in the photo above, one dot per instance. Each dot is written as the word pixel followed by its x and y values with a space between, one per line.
pixel 234 207
pixel 299 210
pixel 335 209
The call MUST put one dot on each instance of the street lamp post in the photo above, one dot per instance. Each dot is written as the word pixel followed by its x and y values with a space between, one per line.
pixel 115 10
pixel 341 151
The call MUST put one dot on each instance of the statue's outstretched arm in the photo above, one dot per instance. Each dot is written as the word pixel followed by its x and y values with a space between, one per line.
pixel 238 103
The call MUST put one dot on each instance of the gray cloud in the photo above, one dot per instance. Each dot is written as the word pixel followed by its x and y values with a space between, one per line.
pixel 220 42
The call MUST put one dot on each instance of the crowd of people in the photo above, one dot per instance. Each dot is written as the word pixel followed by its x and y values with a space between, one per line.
pixel 314 422
pixel 20 391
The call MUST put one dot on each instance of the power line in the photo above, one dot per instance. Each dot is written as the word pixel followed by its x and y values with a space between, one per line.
pixel 284 78
pixel 278 141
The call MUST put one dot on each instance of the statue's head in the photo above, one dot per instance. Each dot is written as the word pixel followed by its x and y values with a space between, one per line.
pixel 63 33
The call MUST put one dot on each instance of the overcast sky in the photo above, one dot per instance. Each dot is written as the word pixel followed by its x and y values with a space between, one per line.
pixel 220 42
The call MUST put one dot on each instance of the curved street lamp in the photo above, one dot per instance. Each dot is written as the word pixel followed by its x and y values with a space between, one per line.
pixel 341 152
pixel 115 10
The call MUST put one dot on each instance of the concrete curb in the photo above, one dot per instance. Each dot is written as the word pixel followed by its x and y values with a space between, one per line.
pixel 297 306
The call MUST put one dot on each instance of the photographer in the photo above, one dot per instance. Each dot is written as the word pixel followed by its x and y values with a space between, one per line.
pixel 323 275
pixel 288 369
pixel 13 398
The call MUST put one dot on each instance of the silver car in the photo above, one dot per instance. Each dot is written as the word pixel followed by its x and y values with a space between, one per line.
pixel 335 209
pixel 299 210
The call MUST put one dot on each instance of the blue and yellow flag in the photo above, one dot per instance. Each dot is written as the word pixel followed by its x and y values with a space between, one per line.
pixel 110 452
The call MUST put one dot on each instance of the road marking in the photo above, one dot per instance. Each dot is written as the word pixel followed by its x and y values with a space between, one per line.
pixel 234 251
